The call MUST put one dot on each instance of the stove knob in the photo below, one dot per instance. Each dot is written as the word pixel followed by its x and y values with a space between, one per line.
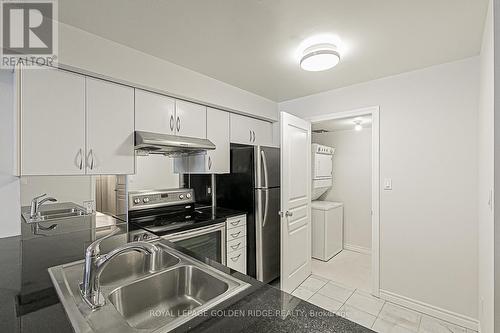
pixel 136 238
pixel 188 195
pixel 137 200
pixel 146 200
pixel 181 196
pixel 146 236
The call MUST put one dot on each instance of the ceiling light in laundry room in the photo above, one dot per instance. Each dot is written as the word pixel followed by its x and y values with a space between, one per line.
pixel 357 125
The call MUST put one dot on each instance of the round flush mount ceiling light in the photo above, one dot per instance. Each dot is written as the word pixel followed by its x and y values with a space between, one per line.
pixel 320 57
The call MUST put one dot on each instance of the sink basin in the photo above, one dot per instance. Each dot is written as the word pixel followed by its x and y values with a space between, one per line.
pixel 158 300
pixel 61 212
pixel 132 265
pixel 137 300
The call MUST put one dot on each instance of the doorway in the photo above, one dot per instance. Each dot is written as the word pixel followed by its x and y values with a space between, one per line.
pixel 353 195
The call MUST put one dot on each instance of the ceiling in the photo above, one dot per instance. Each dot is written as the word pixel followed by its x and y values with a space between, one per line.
pixel 252 44
pixel 343 124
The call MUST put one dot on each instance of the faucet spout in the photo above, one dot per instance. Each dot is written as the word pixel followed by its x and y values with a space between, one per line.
pixel 95 264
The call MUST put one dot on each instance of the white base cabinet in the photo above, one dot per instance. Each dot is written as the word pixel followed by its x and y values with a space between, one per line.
pixel 236 243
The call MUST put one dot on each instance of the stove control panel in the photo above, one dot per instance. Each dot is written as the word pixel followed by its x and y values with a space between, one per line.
pixel 150 199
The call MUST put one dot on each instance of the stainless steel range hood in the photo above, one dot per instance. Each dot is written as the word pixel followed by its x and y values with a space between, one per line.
pixel 171 145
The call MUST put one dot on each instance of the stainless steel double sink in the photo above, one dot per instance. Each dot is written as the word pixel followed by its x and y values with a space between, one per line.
pixel 139 300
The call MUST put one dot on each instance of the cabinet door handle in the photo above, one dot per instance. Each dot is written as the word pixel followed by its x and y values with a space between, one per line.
pixel 178 124
pixel 235 223
pixel 91 155
pixel 209 163
pixel 236 258
pixel 235 247
pixel 250 135
pixel 171 122
pixel 253 136
pixel 235 235
pixel 80 154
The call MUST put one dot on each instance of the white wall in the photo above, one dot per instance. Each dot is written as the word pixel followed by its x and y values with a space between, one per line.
pixel 75 189
pixel 428 146
pixel 351 182
pixel 87 51
pixel 486 179
pixel 9 185
pixel 153 172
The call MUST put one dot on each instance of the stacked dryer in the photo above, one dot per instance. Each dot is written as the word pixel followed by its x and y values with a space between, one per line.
pixel 322 169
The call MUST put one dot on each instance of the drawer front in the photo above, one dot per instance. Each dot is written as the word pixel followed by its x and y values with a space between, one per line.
pixel 237 221
pixel 237 232
pixel 236 244
pixel 237 260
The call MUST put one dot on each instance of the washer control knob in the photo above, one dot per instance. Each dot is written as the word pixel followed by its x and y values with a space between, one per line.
pixel 137 200
pixel 146 200
pixel 188 195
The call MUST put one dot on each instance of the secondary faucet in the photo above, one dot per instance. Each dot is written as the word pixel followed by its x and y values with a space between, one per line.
pixel 35 204
pixel 95 263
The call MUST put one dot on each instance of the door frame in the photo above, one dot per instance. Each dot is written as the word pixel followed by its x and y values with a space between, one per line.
pixel 374 111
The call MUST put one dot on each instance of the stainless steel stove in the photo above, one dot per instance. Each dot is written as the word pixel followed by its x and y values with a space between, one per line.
pixel 172 215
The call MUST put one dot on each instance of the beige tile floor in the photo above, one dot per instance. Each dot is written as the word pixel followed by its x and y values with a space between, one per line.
pixel 353 302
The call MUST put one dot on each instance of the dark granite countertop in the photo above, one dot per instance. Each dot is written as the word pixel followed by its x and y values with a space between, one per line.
pixel 28 303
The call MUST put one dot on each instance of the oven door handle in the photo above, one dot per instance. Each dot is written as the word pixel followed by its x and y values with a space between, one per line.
pixel 195 232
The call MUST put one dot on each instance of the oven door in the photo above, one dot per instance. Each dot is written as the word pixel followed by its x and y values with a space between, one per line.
pixel 207 242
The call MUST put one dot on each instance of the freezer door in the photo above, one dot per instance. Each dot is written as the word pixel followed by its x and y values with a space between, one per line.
pixel 267 167
pixel 267 224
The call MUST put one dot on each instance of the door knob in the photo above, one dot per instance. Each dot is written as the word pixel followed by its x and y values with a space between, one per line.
pixel 288 213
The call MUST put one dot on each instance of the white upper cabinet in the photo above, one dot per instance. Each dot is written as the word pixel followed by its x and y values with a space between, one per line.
pixel 154 112
pixel 52 123
pixel 110 128
pixel 251 131
pixel 217 160
pixel 190 119
pixel 214 161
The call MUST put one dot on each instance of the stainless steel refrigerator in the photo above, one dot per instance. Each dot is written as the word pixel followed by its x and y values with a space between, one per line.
pixel 253 186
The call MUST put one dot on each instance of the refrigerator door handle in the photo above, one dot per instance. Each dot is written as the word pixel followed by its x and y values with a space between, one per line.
pixel 266 205
pixel 264 166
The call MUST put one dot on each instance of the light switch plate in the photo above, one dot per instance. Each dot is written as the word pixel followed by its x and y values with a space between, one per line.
pixel 388 184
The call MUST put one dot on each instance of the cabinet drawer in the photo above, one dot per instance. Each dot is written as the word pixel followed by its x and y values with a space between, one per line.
pixel 237 232
pixel 236 244
pixel 238 260
pixel 237 221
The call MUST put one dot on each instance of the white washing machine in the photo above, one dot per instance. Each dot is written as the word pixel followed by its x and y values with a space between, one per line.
pixel 327 229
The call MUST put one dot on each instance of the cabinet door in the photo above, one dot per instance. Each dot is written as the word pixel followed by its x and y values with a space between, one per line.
pixel 110 128
pixel 191 119
pixel 263 132
pixel 241 129
pixel 154 112
pixel 52 122
pixel 217 161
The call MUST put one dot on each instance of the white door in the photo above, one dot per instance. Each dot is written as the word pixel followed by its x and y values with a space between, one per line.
pixel 191 119
pixel 52 122
pixel 110 128
pixel 295 201
pixel 217 161
pixel 154 112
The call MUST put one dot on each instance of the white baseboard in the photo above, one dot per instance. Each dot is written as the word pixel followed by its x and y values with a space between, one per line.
pixel 431 310
pixel 356 248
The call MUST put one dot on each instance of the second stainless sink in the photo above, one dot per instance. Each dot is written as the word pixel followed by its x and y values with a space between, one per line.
pixel 158 300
